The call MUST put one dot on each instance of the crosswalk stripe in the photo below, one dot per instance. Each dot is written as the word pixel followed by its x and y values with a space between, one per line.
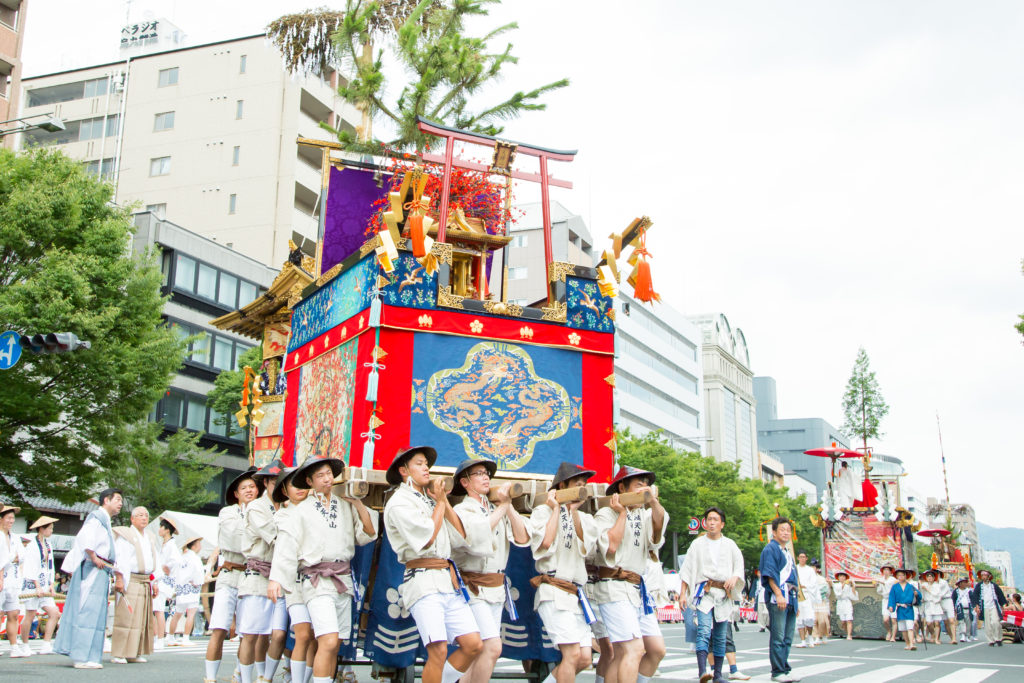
pixel 884 674
pixel 966 676
pixel 822 668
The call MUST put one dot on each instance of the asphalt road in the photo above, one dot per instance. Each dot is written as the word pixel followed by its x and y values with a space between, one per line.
pixel 858 661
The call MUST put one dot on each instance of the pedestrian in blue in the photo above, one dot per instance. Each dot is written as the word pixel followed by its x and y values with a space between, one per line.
pixel 780 581
pixel 902 599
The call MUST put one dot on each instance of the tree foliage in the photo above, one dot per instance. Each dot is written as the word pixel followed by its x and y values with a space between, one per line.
pixel 863 405
pixel 161 474
pixel 689 483
pixel 66 266
pixel 227 390
pixel 446 68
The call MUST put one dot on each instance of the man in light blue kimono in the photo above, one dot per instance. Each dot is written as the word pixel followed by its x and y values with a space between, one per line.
pixel 90 563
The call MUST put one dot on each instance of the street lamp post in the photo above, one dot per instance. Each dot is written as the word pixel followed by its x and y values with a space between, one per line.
pixel 50 123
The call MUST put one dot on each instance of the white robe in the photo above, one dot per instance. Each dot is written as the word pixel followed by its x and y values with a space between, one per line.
pixel 34 568
pixel 700 566
pixel 565 557
pixel 93 536
pixel 10 554
pixel 846 488
pixel 127 563
pixel 486 549
pixel 633 553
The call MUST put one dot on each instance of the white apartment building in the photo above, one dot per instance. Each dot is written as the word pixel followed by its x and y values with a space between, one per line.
pixel 657 364
pixel 203 136
pixel 729 404
pixel 1003 561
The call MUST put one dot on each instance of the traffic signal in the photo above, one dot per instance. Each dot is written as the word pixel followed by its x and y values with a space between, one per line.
pixel 54 342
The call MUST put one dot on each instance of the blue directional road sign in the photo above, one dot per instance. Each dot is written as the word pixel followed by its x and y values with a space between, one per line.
pixel 10 349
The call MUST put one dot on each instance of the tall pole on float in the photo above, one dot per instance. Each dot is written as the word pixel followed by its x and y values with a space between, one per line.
pixel 945 477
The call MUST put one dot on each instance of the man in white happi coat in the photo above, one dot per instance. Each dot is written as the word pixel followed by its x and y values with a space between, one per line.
pixel 422 527
pixel 883 586
pixel 137 563
pixel 90 563
pixel 561 538
pixel 170 562
pixel 626 539
pixel 230 527
pixel 948 610
pixel 317 542
pixel 288 496
pixel 711 578
pixel 805 607
pixel 10 582
pixel 482 560
pixel 258 615
pixel 38 575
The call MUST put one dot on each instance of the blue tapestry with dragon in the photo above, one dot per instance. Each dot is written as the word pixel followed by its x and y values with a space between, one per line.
pixel 518 406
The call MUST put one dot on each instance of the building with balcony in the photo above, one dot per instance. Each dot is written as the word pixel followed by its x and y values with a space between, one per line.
pixel 729 405
pixel 570 242
pixel 204 136
pixel 12 32
pixel 204 280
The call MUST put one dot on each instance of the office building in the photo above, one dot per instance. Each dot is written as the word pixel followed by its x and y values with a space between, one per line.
pixel 658 372
pixel 787 439
pixel 12 32
pixel 570 243
pixel 729 405
pixel 1003 561
pixel 204 136
pixel 204 279
pixel 963 519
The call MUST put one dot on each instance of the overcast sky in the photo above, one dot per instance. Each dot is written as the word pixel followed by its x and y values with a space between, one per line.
pixel 828 175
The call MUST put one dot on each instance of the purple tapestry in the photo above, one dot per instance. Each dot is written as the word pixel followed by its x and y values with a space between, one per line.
pixel 350 198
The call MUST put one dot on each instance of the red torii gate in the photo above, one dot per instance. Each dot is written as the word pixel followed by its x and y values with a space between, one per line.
pixel 451 135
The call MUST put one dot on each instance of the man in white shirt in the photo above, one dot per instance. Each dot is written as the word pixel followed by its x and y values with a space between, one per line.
pixel 712 578
pixel 883 587
pixel 90 563
pixel 38 574
pixel 422 527
pixel 136 564
pixel 10 584
pixel 482 560
pixel 170 562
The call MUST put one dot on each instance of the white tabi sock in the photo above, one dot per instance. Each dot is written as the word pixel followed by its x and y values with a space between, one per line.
pixel 451 674
pixel 322 679
pixel 640 678
pixel 246 671
pixel 299 670
pixel 309 674
pixel 270 669
pixel 212 668
pixel 259 667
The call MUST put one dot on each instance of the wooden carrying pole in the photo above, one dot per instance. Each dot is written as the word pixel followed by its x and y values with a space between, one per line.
pixel 576 494
pixel 627 499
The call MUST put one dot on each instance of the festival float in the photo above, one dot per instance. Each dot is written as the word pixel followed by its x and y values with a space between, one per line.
pixel 399 332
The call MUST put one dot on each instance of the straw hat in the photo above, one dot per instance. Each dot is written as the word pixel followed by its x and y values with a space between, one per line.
pixel 43 521
pixel 392 475
pixel 9 508
pixel 306 468
pixel 568 470
pixel 190 541
pixel 170 521
pixel 457 488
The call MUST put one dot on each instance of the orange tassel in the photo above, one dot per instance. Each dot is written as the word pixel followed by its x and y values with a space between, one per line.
pixel 644 290
pixel 417 235
pixel 935 561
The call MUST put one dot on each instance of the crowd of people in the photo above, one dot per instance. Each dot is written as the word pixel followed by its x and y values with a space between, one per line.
pixel 283 563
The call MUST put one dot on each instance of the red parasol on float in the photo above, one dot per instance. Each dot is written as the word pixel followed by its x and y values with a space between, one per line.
pixel 836 453
pixel 933 533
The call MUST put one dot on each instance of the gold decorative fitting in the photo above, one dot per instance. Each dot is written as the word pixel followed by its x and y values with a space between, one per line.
pixel 555 313
pixel 426 321
pixel 362 322
pixel 526 332
pixel 611 444
pixel 368 246
pixel 557 270
pixel 504 155
pixel 503 308
pixel 645 222
pixel 574 339
pixel 382 282
pixel 273 399
pixel 308 263
pixel 375 421
pixel 294 296
pixel 379 353
pixel 610 379
pixel 442 251
pixel 476 326
pixel 449 300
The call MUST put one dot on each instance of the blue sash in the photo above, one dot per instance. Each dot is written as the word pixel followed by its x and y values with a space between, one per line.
pixel 510 604
pixel 648 600
pixel 458 576
pixel 588 611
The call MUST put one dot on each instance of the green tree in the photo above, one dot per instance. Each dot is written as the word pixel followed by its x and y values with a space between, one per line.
pixel 227 390
pixel 161 474
pixel 689 483
pixel 446 67
pixel 997 575
pixel 863 405
pixel 66 266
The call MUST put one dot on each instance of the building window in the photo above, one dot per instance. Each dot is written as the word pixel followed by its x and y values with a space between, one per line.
pixel 95 88
pixel 206 282
pixel 241 64
pixel 224 289
pixel 236 154
pixel 164 121
pixel 232 203
pixel 9 16
pixel 159 166
pixel 519 240
pixel 158 210
pixel 92 129
pixel 167 77
pixel 185 273
pixel 227 290
pixel 517 273
pixel 239 105
pixel 104 170
pixel 185 409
